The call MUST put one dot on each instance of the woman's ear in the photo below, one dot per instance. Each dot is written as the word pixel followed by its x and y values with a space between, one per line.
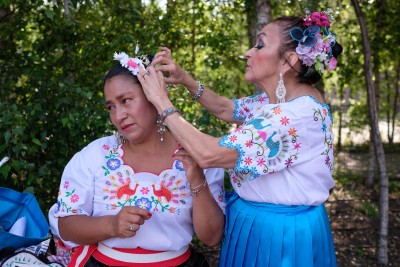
pixel 291 60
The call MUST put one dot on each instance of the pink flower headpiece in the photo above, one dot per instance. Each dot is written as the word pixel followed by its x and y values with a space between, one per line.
pixel 132 64
pixel 315 41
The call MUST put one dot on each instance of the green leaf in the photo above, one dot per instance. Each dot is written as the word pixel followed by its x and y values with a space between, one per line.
pixel 7 136
pixel 49 13
pixel 5 169
pixel 36 141
pixel 64 121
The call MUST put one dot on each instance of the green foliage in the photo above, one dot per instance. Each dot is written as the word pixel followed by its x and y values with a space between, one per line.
pixel 358 112
pixel 369 209
pixel 53 60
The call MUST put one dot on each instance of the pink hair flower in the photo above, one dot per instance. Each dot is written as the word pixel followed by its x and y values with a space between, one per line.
pixel 332 63
pixel 132 63
pixel 319 19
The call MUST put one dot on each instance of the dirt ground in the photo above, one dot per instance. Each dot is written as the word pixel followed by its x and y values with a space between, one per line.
pixel 355 226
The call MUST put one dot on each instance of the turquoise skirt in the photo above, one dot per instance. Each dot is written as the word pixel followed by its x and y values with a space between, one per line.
pixel 263 234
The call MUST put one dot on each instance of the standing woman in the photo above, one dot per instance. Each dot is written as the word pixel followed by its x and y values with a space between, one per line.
pixel 129 199
pixel 280 158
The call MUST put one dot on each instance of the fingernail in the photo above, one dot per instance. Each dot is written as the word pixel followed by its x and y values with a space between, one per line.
pixel 149 214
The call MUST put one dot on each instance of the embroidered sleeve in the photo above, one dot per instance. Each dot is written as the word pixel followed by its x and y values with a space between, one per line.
pixel 244 107
pixel 269 142
pixel 76 192
pixel 215 179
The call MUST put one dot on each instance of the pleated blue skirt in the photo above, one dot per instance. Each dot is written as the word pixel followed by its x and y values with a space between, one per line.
pixel 263 234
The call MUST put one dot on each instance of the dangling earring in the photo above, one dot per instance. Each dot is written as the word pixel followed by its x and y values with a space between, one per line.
pixel 281 89
pixel 120 138
pixel 161 127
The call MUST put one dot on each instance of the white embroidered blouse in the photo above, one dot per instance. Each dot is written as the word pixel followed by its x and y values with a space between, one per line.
pixel 96 182
pixel 285 151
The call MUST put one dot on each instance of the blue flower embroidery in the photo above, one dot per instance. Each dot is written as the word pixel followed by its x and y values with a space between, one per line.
pixel 179 165
pixel 113 164
pixel 323 129
pixel 143 203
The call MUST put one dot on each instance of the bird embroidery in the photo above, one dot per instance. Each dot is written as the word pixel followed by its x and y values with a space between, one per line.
pixel 162 192
pixel 271 144
pixel 125 190
pixel 257 124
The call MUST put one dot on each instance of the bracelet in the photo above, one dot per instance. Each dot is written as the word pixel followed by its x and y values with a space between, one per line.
pixel 160 120
pixel 198 189
pixel 199 91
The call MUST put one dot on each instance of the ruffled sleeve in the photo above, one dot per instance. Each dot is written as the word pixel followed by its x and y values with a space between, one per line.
pixel 215 180
pixel 76 192
pixel 246 106
pixel 271 140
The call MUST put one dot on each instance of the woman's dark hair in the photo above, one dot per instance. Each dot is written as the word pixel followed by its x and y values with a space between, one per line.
pixel 120 70
pixel 306 74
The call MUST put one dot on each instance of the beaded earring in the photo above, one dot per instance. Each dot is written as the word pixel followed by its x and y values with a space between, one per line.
pixel 281 89
pixel 120 138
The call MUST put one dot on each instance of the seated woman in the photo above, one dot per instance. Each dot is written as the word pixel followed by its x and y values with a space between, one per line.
pixel 136 197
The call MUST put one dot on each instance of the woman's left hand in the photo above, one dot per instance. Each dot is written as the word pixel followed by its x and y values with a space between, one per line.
pixel 153 85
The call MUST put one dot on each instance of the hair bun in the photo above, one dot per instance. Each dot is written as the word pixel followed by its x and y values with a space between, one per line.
pixel 337 49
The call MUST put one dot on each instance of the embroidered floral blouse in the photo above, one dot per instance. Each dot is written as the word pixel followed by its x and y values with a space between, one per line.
pixel 285 151
pixel 96 182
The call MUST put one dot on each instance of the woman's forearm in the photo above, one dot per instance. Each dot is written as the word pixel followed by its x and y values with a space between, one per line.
pixel 216 104
pixel 202 147
pixel 208 218
pixel 85 230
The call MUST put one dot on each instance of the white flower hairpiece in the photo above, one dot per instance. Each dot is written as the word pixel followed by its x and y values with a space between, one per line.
pixel 132 64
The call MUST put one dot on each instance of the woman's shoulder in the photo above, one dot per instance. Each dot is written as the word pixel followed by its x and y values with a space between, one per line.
pixel 309 104
pixel 299 111
pixel 96 146
pixel 103 141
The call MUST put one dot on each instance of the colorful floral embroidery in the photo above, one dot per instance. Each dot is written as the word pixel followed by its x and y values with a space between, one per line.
pixel 120 186
pixel 112 163
pixel 244 105
pixel 328 140
pixel 170 193
pixel 143 203
pixel 66 200
pixel 261 148
pixel 179 165
pixel 269 141
pixel 144 190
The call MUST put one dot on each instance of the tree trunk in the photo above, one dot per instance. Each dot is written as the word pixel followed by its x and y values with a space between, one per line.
pixel 388 110
pixel 371 161
pixel 377 44
pixel 258 13
pixel 379 151
pixel 377 47
pixel 67 10
pixel 341 111
pixel 395 101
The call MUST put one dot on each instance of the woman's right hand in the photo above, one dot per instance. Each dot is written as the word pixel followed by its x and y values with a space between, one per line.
pixel 128 221
pixel 163 62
